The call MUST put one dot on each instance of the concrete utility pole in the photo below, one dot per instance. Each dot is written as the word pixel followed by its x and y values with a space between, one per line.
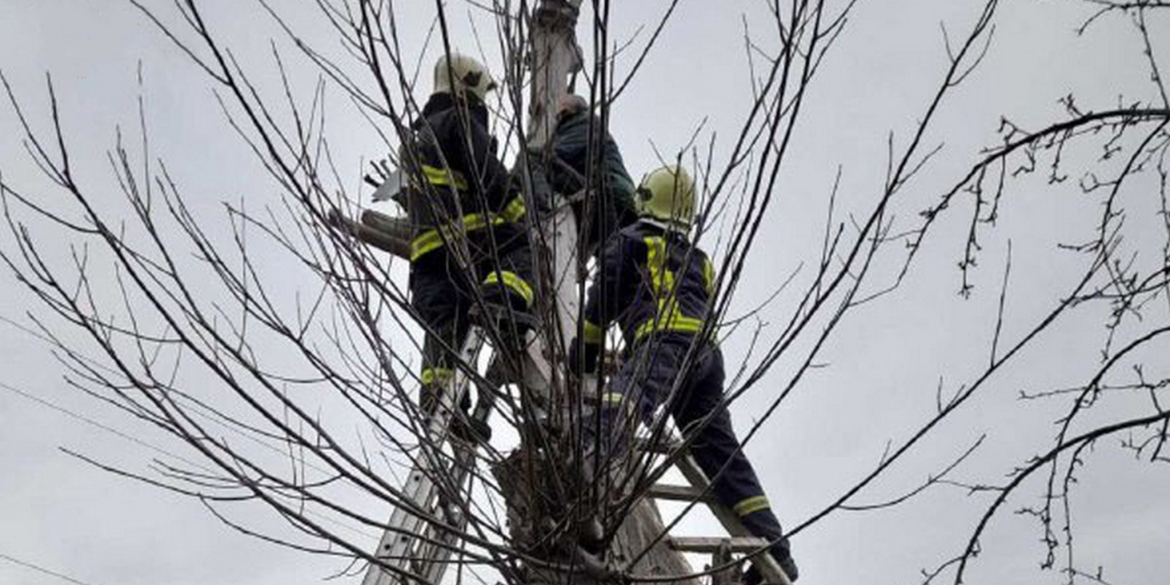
pixel 554 57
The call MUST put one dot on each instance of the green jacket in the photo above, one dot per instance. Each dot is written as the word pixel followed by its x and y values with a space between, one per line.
pixel 571 148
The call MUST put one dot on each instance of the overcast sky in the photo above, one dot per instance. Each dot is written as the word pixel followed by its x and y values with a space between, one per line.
pixel 885 363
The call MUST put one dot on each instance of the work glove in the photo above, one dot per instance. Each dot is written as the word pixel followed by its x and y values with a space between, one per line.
pixel 583 357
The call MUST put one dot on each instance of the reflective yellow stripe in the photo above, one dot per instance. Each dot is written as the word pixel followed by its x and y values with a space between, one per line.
pixel 440 176
pixel 749 505
pixel 709 276
pixel 435 238
pixel 512 281
pixel 514 211
pixel 676 323
pixel 668 317
pixel 661 279
pixel 476 221
pixel 592 332
pixel 614 400
pixel 429 240
pixel 431 375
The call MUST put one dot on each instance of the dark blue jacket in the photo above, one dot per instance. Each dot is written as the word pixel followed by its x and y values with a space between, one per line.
pixel 651 281
pixel 457 183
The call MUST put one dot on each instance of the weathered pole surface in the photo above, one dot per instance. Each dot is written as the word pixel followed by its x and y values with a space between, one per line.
pixel 532 493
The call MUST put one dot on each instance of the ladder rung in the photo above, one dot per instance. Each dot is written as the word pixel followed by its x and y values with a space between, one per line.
pixel 663 447
pixel 680 493
pixel 740 540
pixel 711 544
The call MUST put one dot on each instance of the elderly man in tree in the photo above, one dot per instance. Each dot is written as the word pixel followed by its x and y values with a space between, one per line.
pixel 584 155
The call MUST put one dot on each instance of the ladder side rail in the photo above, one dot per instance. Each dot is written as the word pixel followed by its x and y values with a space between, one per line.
pixel 764 561
pixel 438 552
pixel 406 525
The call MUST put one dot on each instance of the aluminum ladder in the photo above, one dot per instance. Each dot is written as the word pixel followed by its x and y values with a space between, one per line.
pixel 422 535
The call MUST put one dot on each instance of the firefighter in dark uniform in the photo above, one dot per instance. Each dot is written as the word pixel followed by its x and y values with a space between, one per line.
pixel 659 287
pixel 470 246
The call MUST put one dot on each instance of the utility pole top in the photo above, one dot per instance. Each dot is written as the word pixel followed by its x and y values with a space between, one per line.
pixel 555 56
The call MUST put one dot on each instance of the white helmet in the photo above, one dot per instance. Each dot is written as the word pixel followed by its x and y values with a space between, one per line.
pixel 467 74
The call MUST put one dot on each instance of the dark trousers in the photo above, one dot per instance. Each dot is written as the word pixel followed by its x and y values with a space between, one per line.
pixel 443 290
pixel 645 382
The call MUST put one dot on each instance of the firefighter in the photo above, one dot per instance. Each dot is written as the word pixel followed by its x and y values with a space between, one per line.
pixel 470 246
pixel 659 289
pixel 584 155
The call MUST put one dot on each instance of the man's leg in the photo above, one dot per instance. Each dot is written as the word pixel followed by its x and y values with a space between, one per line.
pixel 442 308
pixel 643 382
pixel 633 393
pixel 717 451
pixel 507 286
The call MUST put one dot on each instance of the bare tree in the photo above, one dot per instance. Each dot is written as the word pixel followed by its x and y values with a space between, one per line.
pixel 190 328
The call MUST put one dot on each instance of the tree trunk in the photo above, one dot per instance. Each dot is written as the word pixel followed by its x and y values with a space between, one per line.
pixel 540 527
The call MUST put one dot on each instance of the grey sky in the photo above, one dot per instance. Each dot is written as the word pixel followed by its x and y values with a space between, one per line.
pixel 885 362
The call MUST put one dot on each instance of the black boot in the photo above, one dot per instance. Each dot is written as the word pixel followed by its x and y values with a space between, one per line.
pixel 470 428
pixel 783 558
pixel 472 425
